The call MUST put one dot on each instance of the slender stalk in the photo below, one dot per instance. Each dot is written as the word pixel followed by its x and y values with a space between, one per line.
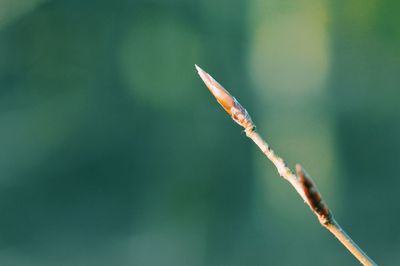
pixel 346 240
pixel 301 181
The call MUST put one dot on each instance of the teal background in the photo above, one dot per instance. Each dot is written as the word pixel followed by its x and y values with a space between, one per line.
pixel 113 152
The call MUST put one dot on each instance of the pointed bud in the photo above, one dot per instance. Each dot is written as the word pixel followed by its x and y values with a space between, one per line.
pixel 314 199
pixel 219 92
pixel 227 101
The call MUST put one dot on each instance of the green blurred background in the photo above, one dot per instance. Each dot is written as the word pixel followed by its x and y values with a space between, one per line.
pixel 113 152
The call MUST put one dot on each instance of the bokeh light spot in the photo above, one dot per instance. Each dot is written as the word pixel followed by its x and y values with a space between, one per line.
pixel 157 62
pixel 289 53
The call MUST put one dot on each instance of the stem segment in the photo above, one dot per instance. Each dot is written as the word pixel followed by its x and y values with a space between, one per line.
pixel 301 181
pixel 346 240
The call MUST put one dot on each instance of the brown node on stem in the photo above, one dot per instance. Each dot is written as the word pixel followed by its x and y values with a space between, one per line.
pixel 314 199
pixel 227 101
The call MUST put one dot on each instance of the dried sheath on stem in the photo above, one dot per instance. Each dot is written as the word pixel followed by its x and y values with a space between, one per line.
pixel 301 182
pixel 313 197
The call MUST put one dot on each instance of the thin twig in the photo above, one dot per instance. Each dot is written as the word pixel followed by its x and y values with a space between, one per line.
pixel 301 182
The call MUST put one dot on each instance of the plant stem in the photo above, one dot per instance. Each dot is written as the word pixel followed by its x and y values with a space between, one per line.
pixel 346 240
pixel 301 182
pixel 326 218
